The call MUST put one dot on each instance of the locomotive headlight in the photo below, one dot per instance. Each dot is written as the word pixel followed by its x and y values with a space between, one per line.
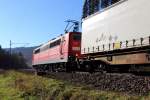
pixel 76 48
pixel 77 55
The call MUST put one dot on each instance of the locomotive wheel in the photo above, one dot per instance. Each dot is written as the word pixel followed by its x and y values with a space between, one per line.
pixel 39 73
pixel 67 67
pixel 100 68
pixel 88 67
pixel 40 70
pixel 71 66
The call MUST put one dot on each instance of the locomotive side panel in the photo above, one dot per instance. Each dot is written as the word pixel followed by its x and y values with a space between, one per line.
pixel 121 22
pixel 54 54
pixel 35 58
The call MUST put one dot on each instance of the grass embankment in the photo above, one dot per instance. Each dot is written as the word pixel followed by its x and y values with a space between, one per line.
pixel 20 86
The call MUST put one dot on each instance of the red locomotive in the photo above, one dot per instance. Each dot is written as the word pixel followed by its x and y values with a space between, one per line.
pixel 58 54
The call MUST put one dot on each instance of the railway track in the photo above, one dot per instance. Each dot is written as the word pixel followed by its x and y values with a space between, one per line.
pixel 118 82
pixel 126 83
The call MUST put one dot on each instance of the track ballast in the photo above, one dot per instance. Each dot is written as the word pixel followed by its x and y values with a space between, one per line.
pixel 126 83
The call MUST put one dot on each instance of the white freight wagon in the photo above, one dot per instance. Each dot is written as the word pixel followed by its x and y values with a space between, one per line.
pixel 124 24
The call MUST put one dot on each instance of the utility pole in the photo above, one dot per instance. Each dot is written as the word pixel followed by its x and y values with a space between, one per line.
pixel 10 54
pixel 12 43
pixel 10 47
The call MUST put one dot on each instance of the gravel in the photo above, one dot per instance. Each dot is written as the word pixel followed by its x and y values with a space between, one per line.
pixel 128 83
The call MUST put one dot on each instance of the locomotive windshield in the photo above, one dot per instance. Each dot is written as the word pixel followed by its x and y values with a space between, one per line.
pixel 92 6
pixel 77 37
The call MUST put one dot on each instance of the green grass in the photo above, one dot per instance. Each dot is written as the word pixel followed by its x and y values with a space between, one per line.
pixel 20 86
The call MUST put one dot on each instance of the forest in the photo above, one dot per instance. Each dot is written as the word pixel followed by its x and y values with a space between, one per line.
pixel 92 6
pixel 11 60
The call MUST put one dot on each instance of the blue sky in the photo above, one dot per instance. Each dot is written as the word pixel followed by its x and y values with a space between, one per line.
pixel 35 21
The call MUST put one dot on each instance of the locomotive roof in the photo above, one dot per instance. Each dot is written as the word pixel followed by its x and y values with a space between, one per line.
pixel 47 43
pixel 52 40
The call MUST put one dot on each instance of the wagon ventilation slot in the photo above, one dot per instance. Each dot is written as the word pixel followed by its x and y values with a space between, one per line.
pixel 119 45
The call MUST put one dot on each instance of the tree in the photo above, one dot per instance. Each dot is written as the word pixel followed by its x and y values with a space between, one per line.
pixel 90 7
pixel 13 61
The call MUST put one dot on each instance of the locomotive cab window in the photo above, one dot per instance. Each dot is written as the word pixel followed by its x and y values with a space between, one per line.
pixel 77 37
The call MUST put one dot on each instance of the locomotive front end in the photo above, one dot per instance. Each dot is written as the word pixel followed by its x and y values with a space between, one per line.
pixel 75 45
